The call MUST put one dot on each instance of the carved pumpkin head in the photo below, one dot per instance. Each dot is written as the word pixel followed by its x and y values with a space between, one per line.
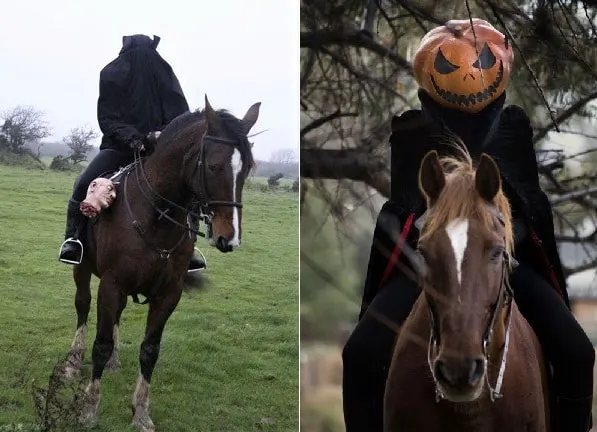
pixel 458 75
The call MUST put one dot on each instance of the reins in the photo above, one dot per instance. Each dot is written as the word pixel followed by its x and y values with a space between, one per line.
pixel 200 201
pixel 505 296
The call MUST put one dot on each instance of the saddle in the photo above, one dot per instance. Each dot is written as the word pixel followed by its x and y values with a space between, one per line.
pixel 101 192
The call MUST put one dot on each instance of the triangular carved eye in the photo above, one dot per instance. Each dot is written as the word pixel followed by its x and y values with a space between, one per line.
pixel 486 59
pixel 442 65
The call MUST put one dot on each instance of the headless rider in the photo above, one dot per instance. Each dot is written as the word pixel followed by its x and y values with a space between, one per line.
pixel 138 94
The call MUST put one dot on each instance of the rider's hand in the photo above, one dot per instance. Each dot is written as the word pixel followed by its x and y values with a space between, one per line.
pixel 137 145
pixel 150 140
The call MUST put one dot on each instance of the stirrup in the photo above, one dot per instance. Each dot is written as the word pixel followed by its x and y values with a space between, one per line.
pixel 204 263
pixel 71 240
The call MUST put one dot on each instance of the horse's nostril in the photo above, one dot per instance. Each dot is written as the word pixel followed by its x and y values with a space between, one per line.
pixel 222 243
pixel 460 373
pixel 477 371
pixel 442 373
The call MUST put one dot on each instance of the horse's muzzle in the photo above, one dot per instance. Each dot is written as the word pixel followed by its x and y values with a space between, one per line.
pixel 223 244
pixel 460 376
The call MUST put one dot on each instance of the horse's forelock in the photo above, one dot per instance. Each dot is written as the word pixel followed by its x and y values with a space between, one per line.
pixel 460 199
pixel 231 125
pixel 183 126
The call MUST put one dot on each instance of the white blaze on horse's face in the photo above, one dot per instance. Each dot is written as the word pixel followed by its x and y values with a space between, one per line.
pixel 236 165
pixel 457 231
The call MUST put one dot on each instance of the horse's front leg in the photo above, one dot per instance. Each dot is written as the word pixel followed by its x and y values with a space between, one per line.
pixel 114 361
pixel 160 309
pixel 109 301
pixel 76 353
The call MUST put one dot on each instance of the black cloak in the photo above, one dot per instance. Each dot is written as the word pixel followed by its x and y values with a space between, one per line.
pixel 505 134
pixel 138 93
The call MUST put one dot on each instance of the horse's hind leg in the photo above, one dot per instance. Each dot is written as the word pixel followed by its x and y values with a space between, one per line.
pixel 114 362
pixel 160 310
pixel 109 301
pixel 76 353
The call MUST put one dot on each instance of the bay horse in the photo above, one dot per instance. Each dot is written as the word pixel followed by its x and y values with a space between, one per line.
pixel 465 343
pixel 143 243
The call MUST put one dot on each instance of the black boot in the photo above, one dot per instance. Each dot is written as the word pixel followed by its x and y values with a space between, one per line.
pixel 197 262
pixel 573 415
pixel 71 251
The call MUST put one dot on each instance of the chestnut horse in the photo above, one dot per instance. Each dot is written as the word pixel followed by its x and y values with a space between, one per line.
pixel 465 343
pixel 143 243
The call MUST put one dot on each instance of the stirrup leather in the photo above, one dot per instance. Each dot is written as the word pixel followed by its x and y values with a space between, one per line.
pixel 70 240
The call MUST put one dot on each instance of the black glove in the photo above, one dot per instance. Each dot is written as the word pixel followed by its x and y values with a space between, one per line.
pixel 137 145
pixel 151 140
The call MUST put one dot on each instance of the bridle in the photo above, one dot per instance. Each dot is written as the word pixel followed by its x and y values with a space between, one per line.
pixel 504 298
pixel 201 207
pixel 203 200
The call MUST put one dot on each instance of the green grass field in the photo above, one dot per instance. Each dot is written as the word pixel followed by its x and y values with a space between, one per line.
pixel 229 355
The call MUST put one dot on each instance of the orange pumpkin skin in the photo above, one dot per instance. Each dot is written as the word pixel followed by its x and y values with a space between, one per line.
pixel 455 74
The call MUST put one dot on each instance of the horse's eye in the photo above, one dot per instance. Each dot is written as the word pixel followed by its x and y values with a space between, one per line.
pixel 497 253
pixel 214 168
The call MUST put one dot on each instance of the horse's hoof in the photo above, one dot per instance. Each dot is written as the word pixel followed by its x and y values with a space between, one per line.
pixel 71 372
pixel 88 415
pixel 73 363
pixel 113 364
pixel 90 405
pixel 142 421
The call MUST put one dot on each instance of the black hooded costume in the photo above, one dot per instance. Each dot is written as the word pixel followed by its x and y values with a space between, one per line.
pixel 510 143
pixel 139 93
pixel 539 284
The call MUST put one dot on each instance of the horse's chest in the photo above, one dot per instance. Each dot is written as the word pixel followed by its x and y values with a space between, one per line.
pixel 425 414
pixel 133 254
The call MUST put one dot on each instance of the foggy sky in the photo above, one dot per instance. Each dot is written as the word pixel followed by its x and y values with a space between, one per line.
pixel 238 52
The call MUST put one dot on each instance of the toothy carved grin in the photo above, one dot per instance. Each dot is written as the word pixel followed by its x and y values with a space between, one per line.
pixel 472 98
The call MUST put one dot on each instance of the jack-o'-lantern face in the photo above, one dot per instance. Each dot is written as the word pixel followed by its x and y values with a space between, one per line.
pixel 458 74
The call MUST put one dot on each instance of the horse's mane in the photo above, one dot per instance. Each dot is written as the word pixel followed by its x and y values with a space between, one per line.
pixel 460 199
pixel 181 125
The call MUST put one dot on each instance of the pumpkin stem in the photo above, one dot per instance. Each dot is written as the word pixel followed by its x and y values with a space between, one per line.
pixel 456 30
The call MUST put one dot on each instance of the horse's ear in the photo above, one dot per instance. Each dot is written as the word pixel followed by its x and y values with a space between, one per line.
pixel 251 117
pixel 487 178
pixel 210 114
pixel 431 177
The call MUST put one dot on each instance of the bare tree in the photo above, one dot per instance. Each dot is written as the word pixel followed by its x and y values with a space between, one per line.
pixel 283 156
pixel 79 140
pixel 356 74
pixel 23 125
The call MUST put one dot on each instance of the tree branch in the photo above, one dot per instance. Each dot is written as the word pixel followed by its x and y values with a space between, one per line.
pixel 351 164
pixel 589 265
pixel 318 38
pixel 592 238
pixel 569 112
pixel 554 200
pixel 323 120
